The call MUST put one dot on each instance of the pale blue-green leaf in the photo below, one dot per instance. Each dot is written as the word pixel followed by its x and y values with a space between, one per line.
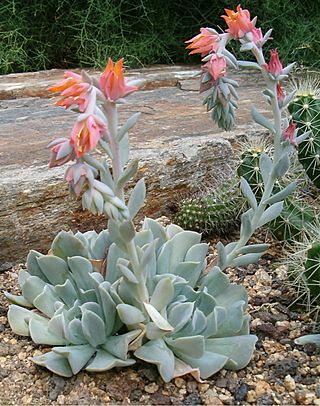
pixel 18 318
pixel 233 293
pixel 172 230
pixel 93 307
pixel 246 259
pixel 127 174
pixel 77 355
pixel 157 230
pixel 163 294
pixel 208 364
pixel 104 361
pixel 215 281
pixel 137 197
pixel 19 300
pixel 197 253
pixel 253 248
pixel 54 268
pixel 196 326
pixel 81 268
pixel 108 306
pixel 260 119
pixel 101 245
pixel 32 287
pixel 74 332
pixel 41 335
pixel 153 332
pixel 66 292
pixel 180 315
pixel 55 363
pixel 238 349
pixel 187 345
pixel 33 266
pixel 156 317
pixel 190 271
pixel 127 231
pixel 93 328
pixel 265 165
pixel 124 150
pixel 271 213
pixel 127 126
pixel 248 193
pixel 119 345
pixel 46 300
pixel 130 314
pixel 246 227
pixel 281 166
pixel 282 194
pixel 67 245
pixel 156 352
pixel 249 65
pixel 222 256
pixel 308 339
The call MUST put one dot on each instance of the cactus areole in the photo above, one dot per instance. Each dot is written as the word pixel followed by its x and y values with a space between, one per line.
pixel 104 300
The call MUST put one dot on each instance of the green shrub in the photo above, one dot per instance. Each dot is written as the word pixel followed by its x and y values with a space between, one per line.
pixel 43 34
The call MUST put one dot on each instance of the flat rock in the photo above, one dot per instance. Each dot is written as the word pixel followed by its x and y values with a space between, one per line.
pixel 178 146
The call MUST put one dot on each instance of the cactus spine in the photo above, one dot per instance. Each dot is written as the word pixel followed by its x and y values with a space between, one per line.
pixel 305 111
pixel 216 213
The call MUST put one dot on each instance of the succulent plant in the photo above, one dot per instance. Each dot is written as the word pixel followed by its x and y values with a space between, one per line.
pixel 305 111
pixel 303 261
pixel 189 323
pixel 217 212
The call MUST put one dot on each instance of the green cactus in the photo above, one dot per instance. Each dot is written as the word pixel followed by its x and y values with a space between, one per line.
pixel 305 111
pixel 216 213
pixel 303 261
pixel 249 169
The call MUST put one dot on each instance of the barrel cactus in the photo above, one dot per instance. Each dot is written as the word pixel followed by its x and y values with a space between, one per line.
pixel 305 112
pixel 215 213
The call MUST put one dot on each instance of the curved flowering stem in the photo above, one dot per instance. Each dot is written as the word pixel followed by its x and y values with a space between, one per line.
pixel 221 100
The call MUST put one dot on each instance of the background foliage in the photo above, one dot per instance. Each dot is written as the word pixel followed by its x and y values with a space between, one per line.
pixel 43 34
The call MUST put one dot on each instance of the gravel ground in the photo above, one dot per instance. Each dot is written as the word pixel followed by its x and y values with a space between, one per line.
pixel 281 373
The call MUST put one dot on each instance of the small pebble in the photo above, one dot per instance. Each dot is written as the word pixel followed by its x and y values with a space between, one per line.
pixel 305 397
pixel 151 388
pixel 289 383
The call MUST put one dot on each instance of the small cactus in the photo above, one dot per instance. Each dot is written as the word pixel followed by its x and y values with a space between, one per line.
pixel 216 213
pixel 303 261
pixel 305 111
pixel 249 169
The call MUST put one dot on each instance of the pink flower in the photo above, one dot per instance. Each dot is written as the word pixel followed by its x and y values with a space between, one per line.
pixel 76 176
pixel 216 67
pixel 112 81
pixel 86 134
pixel 73 91
pixel 61 152
pixel 280 93
pixel 257 34
pixel 203 43
pixel 238 22
pixel 289 134
pixel 274 66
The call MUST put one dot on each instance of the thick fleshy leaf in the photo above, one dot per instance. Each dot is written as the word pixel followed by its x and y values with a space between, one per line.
pixel 237 349
pixel 54 268
pixel 18 318
pixel 45 301
pixel 74 332
pixel 93 328
pixel 32 287
pixel 215 281
pixel 41 335
pixel 157 230
pixel 208 364
pixel 118 345
pixel 67 245
pixel 19 300
pixel 187 345
pixel 308 339
pixel 81 268
pixel 66 292
pixel 156 317
pixel 181 369
pixel 55 363
pixel 104 361
pixel 180 315
pixel 137 197
pixel 108 306
pixel 156 352
pixel 33 266
pixel 77 355
pixel 130 314
pixel 162 294
pixel 101 245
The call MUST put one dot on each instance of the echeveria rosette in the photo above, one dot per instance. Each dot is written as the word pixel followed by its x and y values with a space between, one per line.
pixel 190 324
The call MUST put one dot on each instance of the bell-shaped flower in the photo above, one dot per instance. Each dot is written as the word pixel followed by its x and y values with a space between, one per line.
pixel 280 93
pixel 86 133
pixel 73 91
pixel 257 35
pixel 76 176
pixel 216 67
pixel 290 134
pixel 61 152
pixel 238 22
pixel 274 66
pixel 204 43
pixel 112 81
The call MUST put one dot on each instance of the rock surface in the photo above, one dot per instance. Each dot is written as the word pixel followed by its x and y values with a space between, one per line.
pixel 178 146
